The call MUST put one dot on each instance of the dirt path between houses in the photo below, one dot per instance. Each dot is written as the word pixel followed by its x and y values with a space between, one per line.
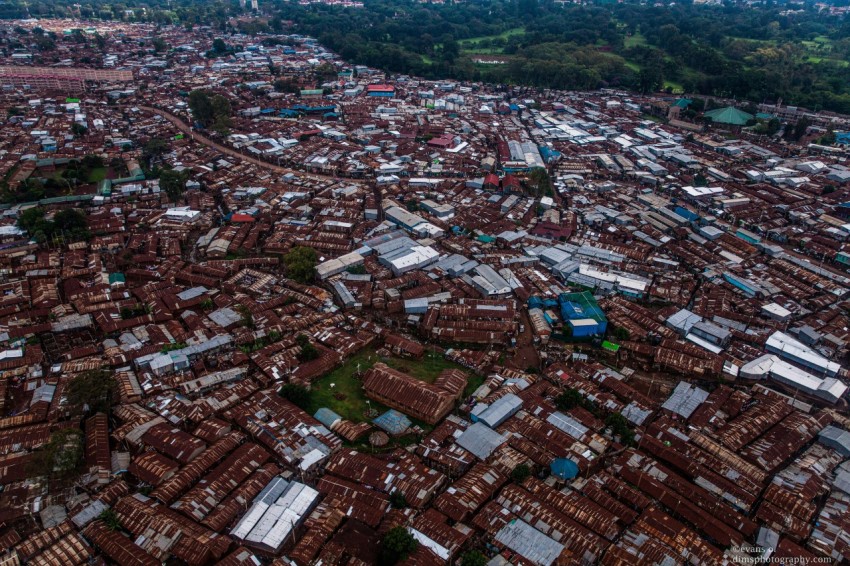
pixel 202 139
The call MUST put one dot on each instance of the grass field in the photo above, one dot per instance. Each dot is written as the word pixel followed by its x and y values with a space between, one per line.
pixel 94 175
pixel 97 175
pixel 677 88
pixel 504 35
pixel 482 50
pixel 472 45
pixel 634 41
pixel 343 393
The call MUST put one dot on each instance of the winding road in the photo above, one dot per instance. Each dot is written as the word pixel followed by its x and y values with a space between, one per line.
pixel 201 138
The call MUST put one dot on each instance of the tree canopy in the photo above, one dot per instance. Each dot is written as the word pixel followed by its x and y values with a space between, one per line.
pixel 396 546
pixel 300 264
pixel 61 458
pixel 210 110
pixel 757 52
pixel 69 224
pixel 473 558
pixel 520 473
pixel 173 183
pixel 296 394
pixel 93 390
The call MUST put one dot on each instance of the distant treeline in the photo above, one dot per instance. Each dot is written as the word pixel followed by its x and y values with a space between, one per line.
pixel 758 53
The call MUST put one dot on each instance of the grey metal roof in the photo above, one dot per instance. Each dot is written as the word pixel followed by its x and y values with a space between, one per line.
pixel 635 413
pixel 711 329
pixel 501 410
pixel 683 320
pixel 533 545
pixel 842 481
pixel 480 440
pixel 89 513
pixel 225 316
pixel 685 399
pixel 191 293
pixel 836 438
pixel 567 424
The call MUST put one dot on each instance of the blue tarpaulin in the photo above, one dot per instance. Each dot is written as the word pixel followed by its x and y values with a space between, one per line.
pixel 564 468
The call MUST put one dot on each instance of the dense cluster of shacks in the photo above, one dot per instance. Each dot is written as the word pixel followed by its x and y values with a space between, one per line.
pixel 717 262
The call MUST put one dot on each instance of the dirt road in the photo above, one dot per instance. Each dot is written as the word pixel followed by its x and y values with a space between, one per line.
pixel 202 139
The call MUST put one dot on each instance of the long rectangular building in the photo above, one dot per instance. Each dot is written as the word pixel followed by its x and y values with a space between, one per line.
pixel 400 391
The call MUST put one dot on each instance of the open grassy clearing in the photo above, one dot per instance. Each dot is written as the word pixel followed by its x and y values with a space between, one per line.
pixel 482 51
pixel 464 43
pixel 634 41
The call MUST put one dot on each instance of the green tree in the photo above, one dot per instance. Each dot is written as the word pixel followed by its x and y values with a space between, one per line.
pixel 72 223
pixel 247 318
pixel 308 353
pixel 221 112
pixel 210 110
pixel 619 426
pixel 219 46
pixel 69 223
pixel 621 333
pixel 325 72
pixel 61 458
pixel 110 519
pixel 296 394
pixel 201 106
pixel 651 78
pixel 800 128
pixel 173 183
pixel 286 85
pixel 398 500
pixel 520 473
pixel 93 390
pixel 396 546
pixel 31 219
pixel 569 399
pixel 300 264
pixel 473 558
pixel 451 50
pixel 154 148
pixel 539 183
pixel 159 45
pixel 79 130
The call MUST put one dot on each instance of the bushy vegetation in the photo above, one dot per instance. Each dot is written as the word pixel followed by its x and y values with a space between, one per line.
pixel 210 110
pixel 300 264
pixel 69 224
pixel 63 181
pixel 759 53
pixel 296 394
pixel 396 546
pixel 91 391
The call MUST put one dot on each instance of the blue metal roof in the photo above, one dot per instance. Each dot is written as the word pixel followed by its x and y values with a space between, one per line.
pixel 393 422
pixel 326 417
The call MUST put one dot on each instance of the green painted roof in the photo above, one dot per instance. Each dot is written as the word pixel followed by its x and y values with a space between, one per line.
pixel 729 115
pixel 116 278
pixel 610 346
pixel 682 102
